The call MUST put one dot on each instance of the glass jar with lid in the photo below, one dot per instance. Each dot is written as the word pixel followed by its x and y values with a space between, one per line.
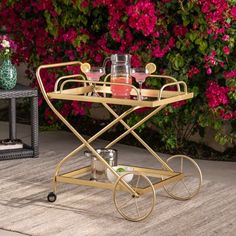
pixel 120 73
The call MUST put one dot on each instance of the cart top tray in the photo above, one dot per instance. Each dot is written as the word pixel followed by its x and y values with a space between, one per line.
pixel 153 98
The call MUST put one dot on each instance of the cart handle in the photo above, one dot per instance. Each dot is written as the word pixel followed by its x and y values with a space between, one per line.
pixel 66 77
pixel 47 66
pixel 177 83
pixel 163 76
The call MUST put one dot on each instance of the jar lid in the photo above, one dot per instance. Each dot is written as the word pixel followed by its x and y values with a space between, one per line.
pixel 101 151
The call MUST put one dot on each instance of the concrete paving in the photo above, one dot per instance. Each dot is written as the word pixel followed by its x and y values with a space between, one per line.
pixel 219 171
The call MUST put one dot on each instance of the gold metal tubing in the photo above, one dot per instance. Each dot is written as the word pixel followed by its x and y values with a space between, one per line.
pixel 134 126
pixel 67 81
pixel 131 130
pixel 77 173
pixel 86 143
pixel 105 79
pixel 97 184
pixel 160 184
pixel 50 104
pixel 51 66
pixel 158 173
pixel 66 77
pixel 171 84
pixel 163 76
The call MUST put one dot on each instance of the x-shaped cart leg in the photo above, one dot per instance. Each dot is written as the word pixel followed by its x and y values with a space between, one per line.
pixel 86 143
pixel 131 130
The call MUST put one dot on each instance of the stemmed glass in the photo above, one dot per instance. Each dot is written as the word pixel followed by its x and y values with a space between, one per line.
pixel 94 73
pixel 140 74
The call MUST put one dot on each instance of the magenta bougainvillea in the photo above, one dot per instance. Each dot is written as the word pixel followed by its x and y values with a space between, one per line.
pixel 191 40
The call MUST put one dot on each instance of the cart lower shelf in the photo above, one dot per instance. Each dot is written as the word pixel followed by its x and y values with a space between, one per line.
pixel 82 177
pixel 137 201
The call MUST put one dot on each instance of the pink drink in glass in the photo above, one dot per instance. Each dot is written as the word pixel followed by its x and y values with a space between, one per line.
pixel 93 76
pixel 121 91
pixel 139 77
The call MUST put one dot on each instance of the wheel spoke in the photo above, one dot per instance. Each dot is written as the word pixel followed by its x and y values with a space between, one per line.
pixel 125 204
pixel 136 203
pixel 137 181
pixel 181 165
pixel 135 207
pixel 191 181
pixel 173 186
pixel 186 188
pixel 188 175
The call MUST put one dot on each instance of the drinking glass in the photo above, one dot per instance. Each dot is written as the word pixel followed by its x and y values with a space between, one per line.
pixel 140 74
pixel 94 74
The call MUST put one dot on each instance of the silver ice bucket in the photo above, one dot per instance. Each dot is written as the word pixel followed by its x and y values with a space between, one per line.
pixel 98 169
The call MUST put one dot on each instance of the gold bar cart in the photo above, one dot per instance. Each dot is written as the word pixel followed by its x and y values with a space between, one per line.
pixel 134 200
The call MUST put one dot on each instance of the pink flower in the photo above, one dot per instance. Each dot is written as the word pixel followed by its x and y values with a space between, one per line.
pixel 229 115
pixel 158 52
pixel 230 74
pixel 178 104
pixel 70 35
pixel 135 61
pixel 222 64
pixel 98 58
pixel 142 17
pixel 226 50
pixel 84 4
pixel 77 108
pixel 49 116
pixel 74 69
pixel 180 30
pixel 70 54
pixel 142 110
pixel 171 42
pixel 209 71
pixel 216 95
pixel 40 101
pixel 225 37
pixel 193 71
pixel 233 12
pixel 65 111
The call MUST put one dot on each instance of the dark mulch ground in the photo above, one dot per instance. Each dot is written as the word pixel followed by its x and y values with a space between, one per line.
pixel 90 127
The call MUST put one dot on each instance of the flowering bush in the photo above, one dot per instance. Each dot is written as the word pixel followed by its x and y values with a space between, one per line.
pixel 7 46
pixel 191 40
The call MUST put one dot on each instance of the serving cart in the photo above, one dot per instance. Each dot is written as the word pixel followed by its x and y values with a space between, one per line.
pixel 134 200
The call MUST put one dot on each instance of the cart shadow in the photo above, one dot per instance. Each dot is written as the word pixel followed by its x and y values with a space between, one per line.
pixel 40 200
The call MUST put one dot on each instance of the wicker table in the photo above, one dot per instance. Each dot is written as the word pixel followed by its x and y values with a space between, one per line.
pixel 21 91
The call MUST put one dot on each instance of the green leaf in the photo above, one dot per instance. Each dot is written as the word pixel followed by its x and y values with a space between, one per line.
pixel 185 19
pixel 50 25
pixel 178 44
pixel 203 46
pixel 195 90
pixel 192 36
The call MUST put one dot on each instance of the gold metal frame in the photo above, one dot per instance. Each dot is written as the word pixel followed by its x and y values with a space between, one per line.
pixel 157 100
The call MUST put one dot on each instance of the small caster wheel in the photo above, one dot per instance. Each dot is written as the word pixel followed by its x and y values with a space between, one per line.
pixel 52 197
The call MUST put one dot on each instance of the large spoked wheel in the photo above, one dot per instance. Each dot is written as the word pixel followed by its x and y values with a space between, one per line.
pixel 190 184
pixel 131 207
